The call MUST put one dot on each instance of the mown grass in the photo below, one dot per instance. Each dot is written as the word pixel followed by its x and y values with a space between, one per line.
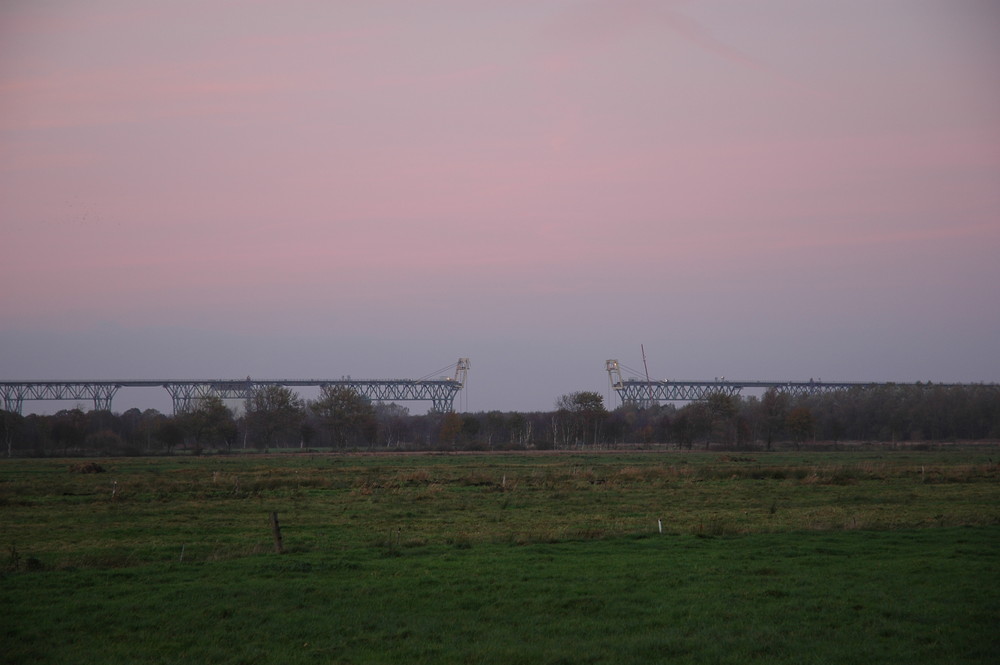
pixel 806 558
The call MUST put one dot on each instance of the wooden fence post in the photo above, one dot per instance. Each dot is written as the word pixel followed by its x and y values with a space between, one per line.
pixel 276 531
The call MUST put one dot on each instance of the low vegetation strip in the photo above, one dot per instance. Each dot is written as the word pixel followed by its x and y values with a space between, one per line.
pixel 606 558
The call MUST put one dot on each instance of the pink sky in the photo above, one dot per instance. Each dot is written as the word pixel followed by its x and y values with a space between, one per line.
pixel 776 189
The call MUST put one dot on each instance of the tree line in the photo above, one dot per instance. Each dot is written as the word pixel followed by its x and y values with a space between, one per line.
pixel 275 417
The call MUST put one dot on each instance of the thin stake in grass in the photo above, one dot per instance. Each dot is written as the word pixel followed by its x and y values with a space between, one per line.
pixel 276 532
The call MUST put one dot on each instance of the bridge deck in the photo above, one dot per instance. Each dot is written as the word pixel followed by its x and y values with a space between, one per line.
pixel 186 392
pixel 639 391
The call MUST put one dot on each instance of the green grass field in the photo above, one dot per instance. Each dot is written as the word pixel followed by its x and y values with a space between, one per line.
pixel 867 557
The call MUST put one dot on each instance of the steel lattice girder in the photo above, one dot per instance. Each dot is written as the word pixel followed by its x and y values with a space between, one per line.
pixel 185 394
pixel 672 391
pixel 441 394
pixel 15 394
pixel 632 391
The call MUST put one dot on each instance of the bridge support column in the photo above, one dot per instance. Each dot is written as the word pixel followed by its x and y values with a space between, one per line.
pixel 103 394
pixel 182 394
pixel 13 401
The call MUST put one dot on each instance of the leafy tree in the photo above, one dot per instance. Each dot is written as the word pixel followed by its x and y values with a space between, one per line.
pixel 11 424
pixel 451 428
pixel 581 415
pixel 801 423
pixel 273 414
pixel 723 410
pixel 392 422
pixel 170 433
pixel 683 429
pixel 102 420
pixel 149 426
pixel 108 442
pixel 69 429
pixel 37 432
pixel 693 422
pixel 346 416
pixel 520 429
pixel 494 428
pixel 774 410
pixel 665 423
pixel 470 426
pixel 210 422
pixel 623 423
pixel 307 433
pixel 129 427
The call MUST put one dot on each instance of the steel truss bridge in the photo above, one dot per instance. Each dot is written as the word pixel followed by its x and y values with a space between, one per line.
pixel 644 392
pixel 440 392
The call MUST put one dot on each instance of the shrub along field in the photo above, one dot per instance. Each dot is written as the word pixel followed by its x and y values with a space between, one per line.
pixel 807 557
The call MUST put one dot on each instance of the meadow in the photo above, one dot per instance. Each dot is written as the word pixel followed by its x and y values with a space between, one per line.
pixel 873 556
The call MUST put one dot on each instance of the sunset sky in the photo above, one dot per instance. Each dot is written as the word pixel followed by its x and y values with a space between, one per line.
pixel 778 189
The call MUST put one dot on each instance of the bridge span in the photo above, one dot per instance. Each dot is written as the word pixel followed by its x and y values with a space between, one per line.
pixel 439 392
pixel 640 391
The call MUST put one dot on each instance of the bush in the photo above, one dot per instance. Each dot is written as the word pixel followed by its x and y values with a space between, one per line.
pixel 88 467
